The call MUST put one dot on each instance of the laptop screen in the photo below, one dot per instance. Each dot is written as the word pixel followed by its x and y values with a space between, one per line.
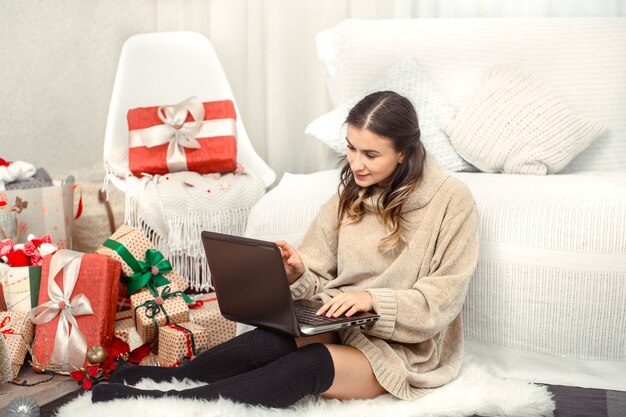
pixel 249 278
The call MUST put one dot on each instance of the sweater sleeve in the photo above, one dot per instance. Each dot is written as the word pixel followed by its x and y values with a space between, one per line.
pixel 318 251
pixel 419 313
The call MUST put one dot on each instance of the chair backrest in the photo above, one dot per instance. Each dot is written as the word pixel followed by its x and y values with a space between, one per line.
pixel 583 59
pixel 166 68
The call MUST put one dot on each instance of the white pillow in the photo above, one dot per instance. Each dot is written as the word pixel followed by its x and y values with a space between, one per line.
pixel 286 211
pixel 407 79
pixel 517 125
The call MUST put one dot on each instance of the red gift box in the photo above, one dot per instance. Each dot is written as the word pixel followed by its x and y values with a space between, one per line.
pixel 188 136
pixel 76 308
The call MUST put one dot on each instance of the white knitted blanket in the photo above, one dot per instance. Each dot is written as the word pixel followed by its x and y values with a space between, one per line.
pixel 174 209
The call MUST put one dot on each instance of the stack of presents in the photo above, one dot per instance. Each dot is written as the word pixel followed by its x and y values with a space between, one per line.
pixel 65 304
pixel 76 313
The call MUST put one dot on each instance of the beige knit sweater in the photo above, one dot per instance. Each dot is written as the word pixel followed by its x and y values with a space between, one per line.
pixel 418 342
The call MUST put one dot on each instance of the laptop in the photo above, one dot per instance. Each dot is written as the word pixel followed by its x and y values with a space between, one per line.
pixel 252 288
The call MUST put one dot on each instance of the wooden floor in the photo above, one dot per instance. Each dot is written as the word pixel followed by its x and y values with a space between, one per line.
pixel 42 393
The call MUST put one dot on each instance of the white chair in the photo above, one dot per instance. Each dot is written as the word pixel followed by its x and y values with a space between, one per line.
pixel 166 68
pixel 163 69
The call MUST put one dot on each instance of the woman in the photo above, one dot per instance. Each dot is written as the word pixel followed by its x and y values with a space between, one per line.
pixel 400 239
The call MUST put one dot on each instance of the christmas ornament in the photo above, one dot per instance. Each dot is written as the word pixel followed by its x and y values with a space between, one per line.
pixel 22 407
pixel 97 354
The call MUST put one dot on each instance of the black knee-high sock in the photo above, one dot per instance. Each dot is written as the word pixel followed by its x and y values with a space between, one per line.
pixel 243 353
pixel 306 371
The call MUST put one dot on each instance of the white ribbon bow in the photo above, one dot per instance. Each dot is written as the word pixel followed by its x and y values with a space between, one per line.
pixel 176 131
pixel 70 345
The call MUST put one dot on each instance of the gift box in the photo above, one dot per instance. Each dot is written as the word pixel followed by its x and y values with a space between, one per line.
pixel 19 287
pixel 188 136
pixel 181 341
pixel 17 332
pixel 208 315
pixel 125 329
pixel 151 311
pixel 76 308
pixel 142 264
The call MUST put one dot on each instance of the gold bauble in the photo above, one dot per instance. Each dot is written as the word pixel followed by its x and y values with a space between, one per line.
pixel 97 354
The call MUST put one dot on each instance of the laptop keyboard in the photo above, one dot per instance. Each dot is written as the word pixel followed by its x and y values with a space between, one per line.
pixel 306 315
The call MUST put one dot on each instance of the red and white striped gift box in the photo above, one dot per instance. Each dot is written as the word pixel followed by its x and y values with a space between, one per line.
pixel 188 136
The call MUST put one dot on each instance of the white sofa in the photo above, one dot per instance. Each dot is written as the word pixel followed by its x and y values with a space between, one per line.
pixel 547 302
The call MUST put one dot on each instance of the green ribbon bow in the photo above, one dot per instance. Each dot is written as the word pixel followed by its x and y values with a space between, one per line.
pixel 157 305
pixel 145 274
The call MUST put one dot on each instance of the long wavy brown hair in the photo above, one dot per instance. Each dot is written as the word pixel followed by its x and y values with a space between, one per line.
pixel 391 115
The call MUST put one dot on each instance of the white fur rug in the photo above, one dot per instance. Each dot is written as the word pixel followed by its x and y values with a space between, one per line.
pixel 475 391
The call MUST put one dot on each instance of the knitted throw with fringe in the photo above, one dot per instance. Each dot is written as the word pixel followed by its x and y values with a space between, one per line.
pixel 173 209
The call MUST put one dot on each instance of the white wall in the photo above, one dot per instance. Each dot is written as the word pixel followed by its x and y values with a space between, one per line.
pixel 57 65
pixel 58 60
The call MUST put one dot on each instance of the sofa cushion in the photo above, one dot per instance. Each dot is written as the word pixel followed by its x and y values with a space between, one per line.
pixel 406 78
pixel 517 124
pixel 584 59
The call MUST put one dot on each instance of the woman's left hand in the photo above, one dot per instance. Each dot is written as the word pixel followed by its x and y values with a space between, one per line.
pixel 347 303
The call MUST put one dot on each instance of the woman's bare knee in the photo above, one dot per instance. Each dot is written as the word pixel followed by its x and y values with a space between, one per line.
pixel 354 377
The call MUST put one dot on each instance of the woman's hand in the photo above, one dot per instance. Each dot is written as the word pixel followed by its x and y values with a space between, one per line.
pixel 294 267
pixel 347 303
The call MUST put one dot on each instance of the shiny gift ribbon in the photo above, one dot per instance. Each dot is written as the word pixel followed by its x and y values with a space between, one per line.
pixel 176 131
pixel 145 274
pixel 70 344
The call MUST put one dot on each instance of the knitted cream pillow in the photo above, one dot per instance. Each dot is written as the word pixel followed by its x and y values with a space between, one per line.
pixel 517 125
pixel 406 78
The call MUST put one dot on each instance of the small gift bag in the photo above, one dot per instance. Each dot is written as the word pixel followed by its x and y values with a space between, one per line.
pixel 76 308
pixel 20 287
pixel 17 332
pixel 50 211
pixel 206 313
pixel 181 341
pixel 188 136
pixel 153 310
pixel 142 265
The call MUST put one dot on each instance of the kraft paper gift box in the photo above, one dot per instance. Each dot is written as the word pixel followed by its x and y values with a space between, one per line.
pixel 76 308
pixel 188 136
pixel 17 331
pixel 209 316
pixel 19 287
pixel 151 311
pixel 181 341
pixel 141 263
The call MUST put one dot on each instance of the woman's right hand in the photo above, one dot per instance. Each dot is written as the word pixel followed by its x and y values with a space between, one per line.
pixel 294 267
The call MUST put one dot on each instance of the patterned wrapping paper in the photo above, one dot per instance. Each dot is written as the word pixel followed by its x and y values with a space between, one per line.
pixel 138 245
pixel 180 341
pixel 193 136
pixel 18 332
pixel 209 316
pixel 150 312
pixel 98 280
pixel 19 287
